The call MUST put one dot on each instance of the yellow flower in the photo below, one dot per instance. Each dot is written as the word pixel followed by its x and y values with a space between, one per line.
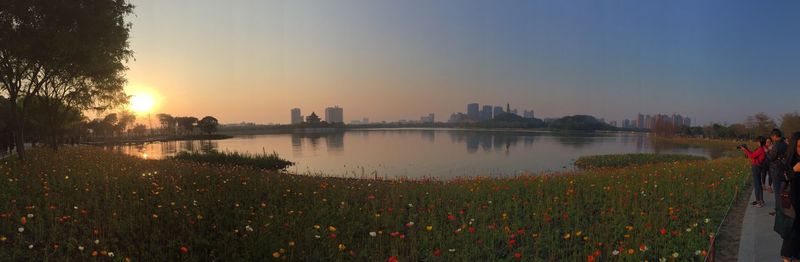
pixel 316 226
pixel 291 243
pixel 342 247
pixel 429 228
pixel 331 228
pixel 578 233
pixel 567 236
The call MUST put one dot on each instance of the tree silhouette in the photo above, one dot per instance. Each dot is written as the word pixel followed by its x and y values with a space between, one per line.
pixel 186 123
pixel 208 124
pixel 167 123
pixel 42 41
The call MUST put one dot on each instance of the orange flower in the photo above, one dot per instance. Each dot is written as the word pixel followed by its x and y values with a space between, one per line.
pixel 184 250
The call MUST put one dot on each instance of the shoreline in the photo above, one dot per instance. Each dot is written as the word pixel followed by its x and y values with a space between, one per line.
pixel 157 139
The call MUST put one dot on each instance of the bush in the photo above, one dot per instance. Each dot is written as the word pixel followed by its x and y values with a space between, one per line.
pixel 258 161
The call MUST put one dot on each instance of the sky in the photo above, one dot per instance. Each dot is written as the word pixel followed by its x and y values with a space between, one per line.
pixel 254 60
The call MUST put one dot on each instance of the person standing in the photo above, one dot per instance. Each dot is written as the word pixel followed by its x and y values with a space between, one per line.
pixel 766 179
pixel 790 249
pixel 776 157
pixel 756 159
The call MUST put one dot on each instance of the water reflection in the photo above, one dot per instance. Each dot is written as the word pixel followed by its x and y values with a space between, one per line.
pixel 414 152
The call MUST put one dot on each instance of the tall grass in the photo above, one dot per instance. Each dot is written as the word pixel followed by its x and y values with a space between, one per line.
pixel 85 202
pixel 258 161
pixel 626 160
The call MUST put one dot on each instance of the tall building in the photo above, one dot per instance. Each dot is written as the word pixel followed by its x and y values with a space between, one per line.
pixel 687 122
pixel 486 113
pixel 334 115
pixel 472 111
pixel 528 114
pixel 497 110
pixel 429 119
pixel 640 121
pixel 297 118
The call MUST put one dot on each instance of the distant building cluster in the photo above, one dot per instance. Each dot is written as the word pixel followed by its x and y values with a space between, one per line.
pixel 476 113
pixel 651 121
pixel 332 115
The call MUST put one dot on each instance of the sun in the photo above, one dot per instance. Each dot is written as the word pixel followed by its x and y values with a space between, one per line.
pixel 142 103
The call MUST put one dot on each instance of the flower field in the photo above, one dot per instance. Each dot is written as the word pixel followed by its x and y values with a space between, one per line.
pixel 85 202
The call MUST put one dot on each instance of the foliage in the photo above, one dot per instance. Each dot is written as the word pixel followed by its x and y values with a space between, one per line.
pixel 790 122
pixel 208 124
pixel 58 44
pixel 258 161
pixel 627 160
pixel 85 201
pixel 579 122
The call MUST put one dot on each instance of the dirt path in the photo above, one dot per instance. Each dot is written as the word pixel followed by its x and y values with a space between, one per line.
pixel 731 231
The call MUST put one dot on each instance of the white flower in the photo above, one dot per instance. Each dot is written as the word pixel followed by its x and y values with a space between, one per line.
pixel 663 259
pixel 675 255
pixel 317 236
pixel 411 223
pixel 30 215
pixel 490 201
pixel 248 228
pixel 110 254
pixel 697 253
pixel 707 220
pixel 373 234
pixel 410 205
pixel 30 246
pixel 21 229
pixel 452 250
pixel 80 248
pixel 615 252
pixel 97 241
pixel 688 229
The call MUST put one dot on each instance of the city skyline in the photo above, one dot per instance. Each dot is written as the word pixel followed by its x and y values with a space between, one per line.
pixel 383 59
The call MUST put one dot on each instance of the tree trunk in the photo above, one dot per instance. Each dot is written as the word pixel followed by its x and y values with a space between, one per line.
pixel 17 129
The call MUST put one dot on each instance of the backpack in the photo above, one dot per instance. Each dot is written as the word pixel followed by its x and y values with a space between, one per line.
pixel 784 218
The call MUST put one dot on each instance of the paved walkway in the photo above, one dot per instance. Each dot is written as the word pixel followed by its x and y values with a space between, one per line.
pixel 759 242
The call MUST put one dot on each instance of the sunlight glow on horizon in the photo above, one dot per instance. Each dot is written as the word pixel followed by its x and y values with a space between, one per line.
pixel 142 103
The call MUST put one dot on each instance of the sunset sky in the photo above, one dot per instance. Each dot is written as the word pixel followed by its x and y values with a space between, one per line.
pixel 242 60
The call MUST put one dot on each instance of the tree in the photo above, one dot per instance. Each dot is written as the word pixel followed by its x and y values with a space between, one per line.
pixel 139 129
pixel 790 122
pixel 126 119
pixel 759 124
pixel 42 41
pixel 186 123
pixel 208 124
pixel 52 124
pixel 167 123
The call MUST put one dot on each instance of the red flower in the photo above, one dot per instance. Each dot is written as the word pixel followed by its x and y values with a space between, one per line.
pixel 451 217
pixel 517 255
pixel 437 252
pixel 332 235
pixel 597 253
pixel 590 259
pixel 663 231
pixel 392 259
pixel 371 197
pixel 184 250
pixel 472 230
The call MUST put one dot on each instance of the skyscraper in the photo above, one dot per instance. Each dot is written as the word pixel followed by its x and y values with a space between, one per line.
pixel 486 113
pixel 528 114
pixel 640 121
pixel 297 118
pixel 334 115
pixel 497 110
pixel 472 111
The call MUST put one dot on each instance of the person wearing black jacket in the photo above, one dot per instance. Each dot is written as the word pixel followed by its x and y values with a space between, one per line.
pixel 790 249
pixel 776 157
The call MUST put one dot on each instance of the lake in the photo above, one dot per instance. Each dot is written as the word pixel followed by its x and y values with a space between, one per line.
pixel 416 153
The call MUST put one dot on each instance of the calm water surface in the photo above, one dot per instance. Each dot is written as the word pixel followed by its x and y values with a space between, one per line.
pixel 414 153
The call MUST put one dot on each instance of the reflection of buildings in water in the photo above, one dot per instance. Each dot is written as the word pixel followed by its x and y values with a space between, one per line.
pixel 429 135
pixel 335 141
pixel 188 145
pixel 168 148
pixel 208 145
pixel 488 140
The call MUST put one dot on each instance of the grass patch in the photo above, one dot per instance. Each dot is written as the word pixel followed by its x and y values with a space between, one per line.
pixel 626 160
pixel 82 202
pixel 257 161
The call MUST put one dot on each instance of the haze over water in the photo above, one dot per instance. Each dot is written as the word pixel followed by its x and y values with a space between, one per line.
pixel 415 153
